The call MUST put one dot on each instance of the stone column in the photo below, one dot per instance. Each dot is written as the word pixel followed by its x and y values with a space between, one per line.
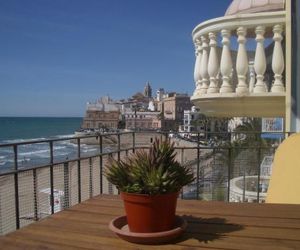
pixel 226 63
pixel 242 62
pixel 260 61
pixel 213 64
pixel 277 60
pixel 197 75
pixel 204 65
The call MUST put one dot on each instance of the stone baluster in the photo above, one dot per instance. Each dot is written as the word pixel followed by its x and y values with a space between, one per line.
pixel 251 76
pixel 204 65
pixel 197 76
pixel 213 64
pixel 226 63
pixel 260 61
pixel 242 62
pixel 277 60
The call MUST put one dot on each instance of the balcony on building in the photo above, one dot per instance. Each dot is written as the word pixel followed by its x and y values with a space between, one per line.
pixel 240 61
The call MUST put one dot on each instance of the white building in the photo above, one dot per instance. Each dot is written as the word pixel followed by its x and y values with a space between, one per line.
pixel 188 117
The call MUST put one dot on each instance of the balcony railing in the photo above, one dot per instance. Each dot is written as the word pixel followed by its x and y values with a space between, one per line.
pixel 50 181
pixel 245 81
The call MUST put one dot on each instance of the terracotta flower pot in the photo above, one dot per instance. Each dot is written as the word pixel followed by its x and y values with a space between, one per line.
pixel 150 213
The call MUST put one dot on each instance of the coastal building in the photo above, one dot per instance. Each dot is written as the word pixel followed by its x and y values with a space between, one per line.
pixel 138 101
pixel 104 113
pixel 159 94
pixel 172 107
pixel 195 122
pixel 192 121
pixel 142 120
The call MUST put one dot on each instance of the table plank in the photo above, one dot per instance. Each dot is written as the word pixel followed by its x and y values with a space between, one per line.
pixel 211 225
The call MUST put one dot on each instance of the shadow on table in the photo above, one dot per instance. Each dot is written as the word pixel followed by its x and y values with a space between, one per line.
pixel 207 229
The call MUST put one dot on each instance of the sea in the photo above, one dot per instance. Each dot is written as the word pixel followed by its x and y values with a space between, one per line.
pixel 22 129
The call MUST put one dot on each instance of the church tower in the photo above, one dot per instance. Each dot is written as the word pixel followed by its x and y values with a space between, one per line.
pixel 148 90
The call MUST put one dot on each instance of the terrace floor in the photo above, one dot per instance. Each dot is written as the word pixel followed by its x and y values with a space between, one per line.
pixel 213 225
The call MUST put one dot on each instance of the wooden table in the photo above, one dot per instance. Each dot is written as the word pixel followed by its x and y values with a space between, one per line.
pixel 213 225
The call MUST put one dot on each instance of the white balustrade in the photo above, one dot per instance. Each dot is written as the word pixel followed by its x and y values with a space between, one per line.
pixel 260 63
pixel 213 64
pixel 277 60
pixel 226 63
pixel 239 56
pixel 215 75
pixel 197 75
pixel 204 66
pixel 242 62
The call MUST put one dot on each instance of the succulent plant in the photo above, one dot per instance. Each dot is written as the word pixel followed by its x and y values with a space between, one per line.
pixel 152 172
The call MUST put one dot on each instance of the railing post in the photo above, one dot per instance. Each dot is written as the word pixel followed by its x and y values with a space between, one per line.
pixel 36 218
pixel 51 178
pixel 110 186
pixel 166 136
pixel 133 142
pixel 66 185
pixel 90 177
pixel 78 170
pixel 244 184
pixel 229 172
pixel 258 174
pixel 119 152
pixel 101 163
pixel 198 165
pixel 119 147
pixel 17 208
pixel 181 161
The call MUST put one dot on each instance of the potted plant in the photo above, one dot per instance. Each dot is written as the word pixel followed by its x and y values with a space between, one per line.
pixel 149 183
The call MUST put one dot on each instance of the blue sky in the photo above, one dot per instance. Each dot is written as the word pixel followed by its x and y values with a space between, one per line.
pixel 55 55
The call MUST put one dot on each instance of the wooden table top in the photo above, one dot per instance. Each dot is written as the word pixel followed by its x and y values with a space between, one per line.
pixel 212 225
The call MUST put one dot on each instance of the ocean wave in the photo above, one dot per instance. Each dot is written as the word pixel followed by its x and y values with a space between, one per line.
pixel 24 140
pixel 38 152
pixel 13 141
pixel 41 151
pixel 37 139
pixel 68 143
pixel 60 154
pixel 89 150
pixel 2 157
pixel 11 161
pixel 64 136
pixel 59 147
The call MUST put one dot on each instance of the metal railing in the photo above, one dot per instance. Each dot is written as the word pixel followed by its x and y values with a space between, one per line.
pixel 50 180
